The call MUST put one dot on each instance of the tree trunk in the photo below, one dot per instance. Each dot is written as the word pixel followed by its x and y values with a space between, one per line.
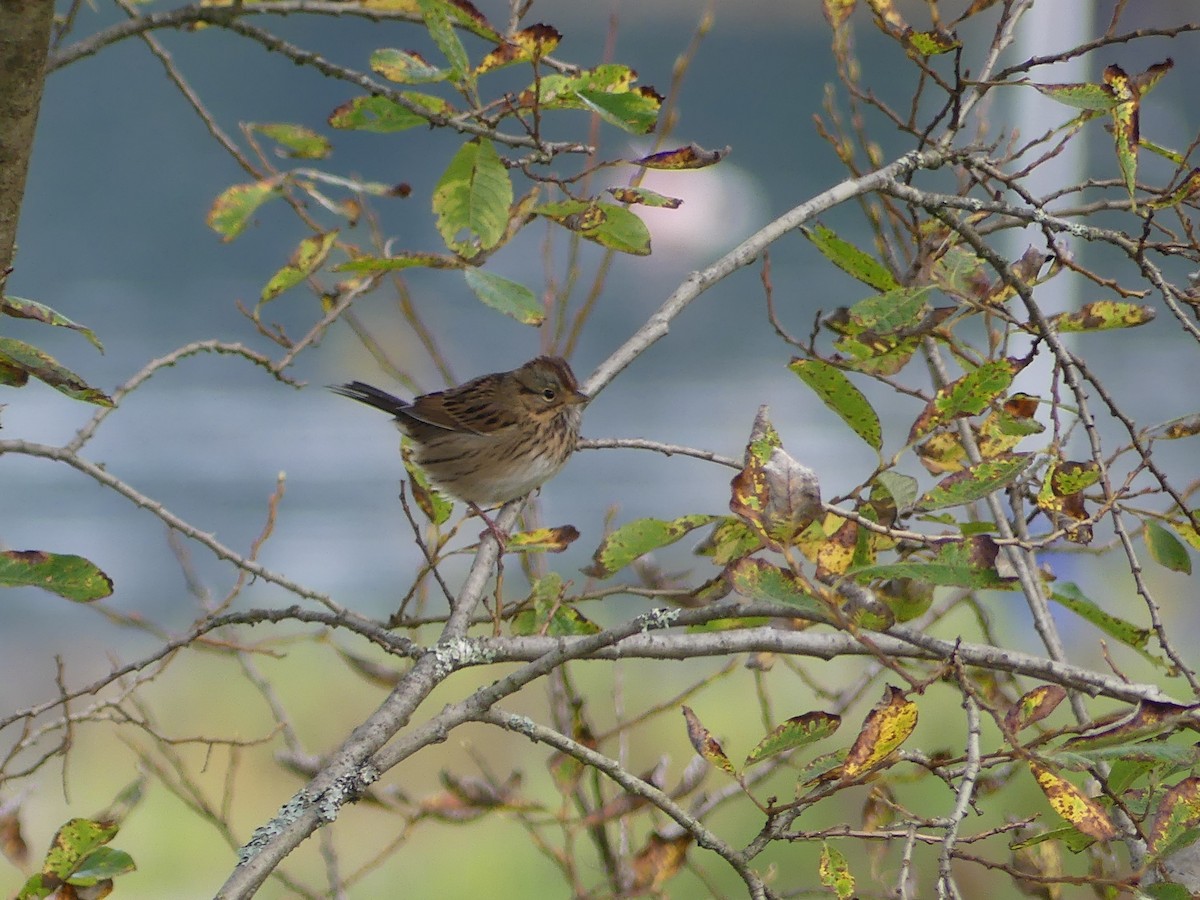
pixel 24 42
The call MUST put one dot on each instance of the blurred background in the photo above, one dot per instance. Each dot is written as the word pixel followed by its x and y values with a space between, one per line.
pixel 113 235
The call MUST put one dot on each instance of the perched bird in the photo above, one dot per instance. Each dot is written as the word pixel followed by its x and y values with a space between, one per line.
pixel 493 438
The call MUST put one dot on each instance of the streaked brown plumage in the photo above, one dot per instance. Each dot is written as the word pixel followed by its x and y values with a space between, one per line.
pixel 493 438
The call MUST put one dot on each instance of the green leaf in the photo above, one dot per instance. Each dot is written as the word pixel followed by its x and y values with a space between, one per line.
pixel 21 357
pixel 473 196
pixel 840 395
pixel 633 111
pixel 101 864
pixel 798 731
pixel 307 258
pixel 231 212
pixel 298 141
pixel 975 482
pixel 730 539
pixel 1136 752
pixel 903 488
pixel 371 264
pixel 554 91
pixel 35 889
pixel 607 224
pixel 1068 595
pixel 20 308
pixel 966 396
pixel 551 615
pixel 1185 530
pixel 1103 315
pixel 834 871
pixel 76 840
pixel 736 624
pixel 1165 890
pixel 436 507
pixel 1166 549
pixel 437 20
pixel 1125 123
pixel 621 230
pixel 637 538
pixel 1092 97
pixel 760 580
pixel 970 564
pixel 406 67
pixel 906 598
pixel 932 43
pixel 851 259
pixel 877 356
pixel 68 576
pixel 383 115
pixel 508 297
pixel 884 314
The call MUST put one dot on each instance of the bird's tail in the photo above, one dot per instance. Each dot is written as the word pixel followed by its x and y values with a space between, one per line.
pixel 372 396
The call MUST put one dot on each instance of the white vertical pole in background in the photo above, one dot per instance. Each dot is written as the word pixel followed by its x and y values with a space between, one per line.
pixel 1051 26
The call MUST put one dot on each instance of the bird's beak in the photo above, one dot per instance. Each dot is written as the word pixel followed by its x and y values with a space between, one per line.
pixel 578 398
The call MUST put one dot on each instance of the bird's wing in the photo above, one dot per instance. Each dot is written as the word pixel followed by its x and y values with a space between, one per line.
pixel 473 408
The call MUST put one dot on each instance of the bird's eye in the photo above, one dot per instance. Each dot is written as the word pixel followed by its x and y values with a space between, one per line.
pixel 549 394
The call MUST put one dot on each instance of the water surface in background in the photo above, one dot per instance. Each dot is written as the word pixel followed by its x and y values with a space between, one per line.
pixel 113 236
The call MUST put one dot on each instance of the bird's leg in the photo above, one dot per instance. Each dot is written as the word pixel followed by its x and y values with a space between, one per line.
pixel 502 542
pixel 500 536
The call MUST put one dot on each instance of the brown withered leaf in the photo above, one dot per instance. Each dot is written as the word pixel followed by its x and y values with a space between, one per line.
pixel 976 7
pixel 838 11
pixel 777 496
pixel 879 809
pixel 1025 270
pixel 1177 817
pixel 1189 426
pixel 968 395
pixel 1169 197
pixel 887 15
pixel 1034 706
pixel 466 798
pixel 644 197
pixel 835 555
pixel 878 812
pixel 864 610
pixel 377 673
pixel 1037 860
pixel 528 44
pixel 693 156
pixel 659 861
pixel 888 725
pixel 549 540
pixel 1152 717
pixel 1077 808
pixel 1127 92
pixel 623 804
pixel 1021 406
pixel 1061 496
pixel 706 745
pixel 12 842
